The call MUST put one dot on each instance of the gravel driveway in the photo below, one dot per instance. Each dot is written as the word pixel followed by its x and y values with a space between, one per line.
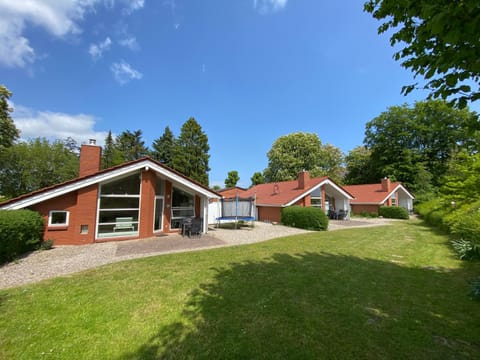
pixel 63 260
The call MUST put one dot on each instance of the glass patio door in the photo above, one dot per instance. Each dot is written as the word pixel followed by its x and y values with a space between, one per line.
pixel 158 223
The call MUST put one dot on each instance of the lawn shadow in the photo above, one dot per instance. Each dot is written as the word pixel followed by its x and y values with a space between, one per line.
pixel 319 305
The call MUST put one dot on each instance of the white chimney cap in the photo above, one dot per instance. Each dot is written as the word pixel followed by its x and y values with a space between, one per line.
pixel 92 141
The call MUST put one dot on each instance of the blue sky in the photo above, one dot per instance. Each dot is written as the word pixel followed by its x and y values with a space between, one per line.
pixel 249 71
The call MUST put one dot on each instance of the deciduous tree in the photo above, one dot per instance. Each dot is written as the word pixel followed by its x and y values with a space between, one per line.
pixel 8 131
pixel 32 165
pixel 232 179
pixel 257 178
pixel 299 151
pixel 439 40
pixel 405 140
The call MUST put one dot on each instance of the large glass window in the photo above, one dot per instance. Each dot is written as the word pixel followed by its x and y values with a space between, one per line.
pixel 182 207
pixel 119 207
pixel 316 198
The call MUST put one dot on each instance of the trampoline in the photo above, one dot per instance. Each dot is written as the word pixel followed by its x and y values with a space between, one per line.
pixel 237 209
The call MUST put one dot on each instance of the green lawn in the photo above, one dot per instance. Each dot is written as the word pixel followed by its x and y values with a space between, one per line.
pixel 390 292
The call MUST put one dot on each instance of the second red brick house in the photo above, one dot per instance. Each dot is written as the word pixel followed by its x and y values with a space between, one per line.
pixel 270 198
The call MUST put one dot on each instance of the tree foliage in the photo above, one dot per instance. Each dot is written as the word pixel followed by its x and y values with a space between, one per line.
pixel 163 147
pixel 32 165
pixel 414 144
pixel 190 153
pixel 257 178
pixel 130 145
pixel 299 151
pixel 232 179
pixel 8 131
pixel 440 43
pixel 358 167
pixel 111 156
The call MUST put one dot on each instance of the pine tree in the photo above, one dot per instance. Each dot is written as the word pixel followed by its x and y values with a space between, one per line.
pixel 163 147
pixel 131 145
pixel 190 155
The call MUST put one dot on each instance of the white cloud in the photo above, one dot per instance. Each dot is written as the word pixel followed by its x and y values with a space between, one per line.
pixel 58 17
pixel 267 6
pixel 123 72
pixel 129 42
pixel 56 125
pixel 97 50
pixel 133 5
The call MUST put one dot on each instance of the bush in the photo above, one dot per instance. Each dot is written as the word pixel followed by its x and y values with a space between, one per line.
pixel 20 231
pixel 465 234
pixel 434 212
pixel 367 214
pixel 393 212
pixel 309 218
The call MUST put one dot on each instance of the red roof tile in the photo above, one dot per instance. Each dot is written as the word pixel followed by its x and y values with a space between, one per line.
pixel 370 193
pixel 277 194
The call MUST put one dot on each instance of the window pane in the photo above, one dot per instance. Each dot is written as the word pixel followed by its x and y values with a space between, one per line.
pixel 58 217
pixel 182 213
pixel 111 216
pixel 127 186
pixel 181 198
pixel 119 203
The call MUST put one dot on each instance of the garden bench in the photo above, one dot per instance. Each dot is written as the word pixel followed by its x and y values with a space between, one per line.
pixel 123 223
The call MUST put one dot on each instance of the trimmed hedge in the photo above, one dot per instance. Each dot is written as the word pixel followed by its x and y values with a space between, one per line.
pixel 309 218
pixel 20 231
pixel 393 212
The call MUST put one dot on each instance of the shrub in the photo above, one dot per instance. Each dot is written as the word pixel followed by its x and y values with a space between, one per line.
pixel 46 245
pixel 465 234
pixel 393 212
pixel 309 218
pixel 367 214
pixel 20 231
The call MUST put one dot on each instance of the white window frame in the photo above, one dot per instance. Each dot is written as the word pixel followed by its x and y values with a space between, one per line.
pixel 67 217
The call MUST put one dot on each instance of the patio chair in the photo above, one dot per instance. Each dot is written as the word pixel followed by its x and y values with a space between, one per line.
pixel 195 227
pixel 342 214
pixel 186 226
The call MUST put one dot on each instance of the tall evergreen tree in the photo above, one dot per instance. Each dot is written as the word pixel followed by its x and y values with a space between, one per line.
pixel 8 131
pixel 190 155
pixel 163 147
pixel 111 156
pixel 131 145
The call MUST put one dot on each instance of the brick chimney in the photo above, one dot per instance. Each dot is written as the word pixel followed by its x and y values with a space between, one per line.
pixel 303 179
pixel 386 184
pixel 90 158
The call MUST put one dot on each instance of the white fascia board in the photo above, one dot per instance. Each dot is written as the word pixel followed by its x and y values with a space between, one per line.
pixel 269 205
pixel 399 187
pixel 324 182
pixel 181 180
pixel 62 190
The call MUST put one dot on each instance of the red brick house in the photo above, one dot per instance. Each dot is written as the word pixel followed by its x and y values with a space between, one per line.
pixel 270 198
pixel 138 199
pixel 369 197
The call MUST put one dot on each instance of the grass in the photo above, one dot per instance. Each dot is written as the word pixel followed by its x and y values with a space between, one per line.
pixel 393 292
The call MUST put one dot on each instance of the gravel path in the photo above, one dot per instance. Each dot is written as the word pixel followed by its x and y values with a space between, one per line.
pixel 63 260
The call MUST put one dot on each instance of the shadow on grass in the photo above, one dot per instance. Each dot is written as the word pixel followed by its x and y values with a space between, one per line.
pixel 318 305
